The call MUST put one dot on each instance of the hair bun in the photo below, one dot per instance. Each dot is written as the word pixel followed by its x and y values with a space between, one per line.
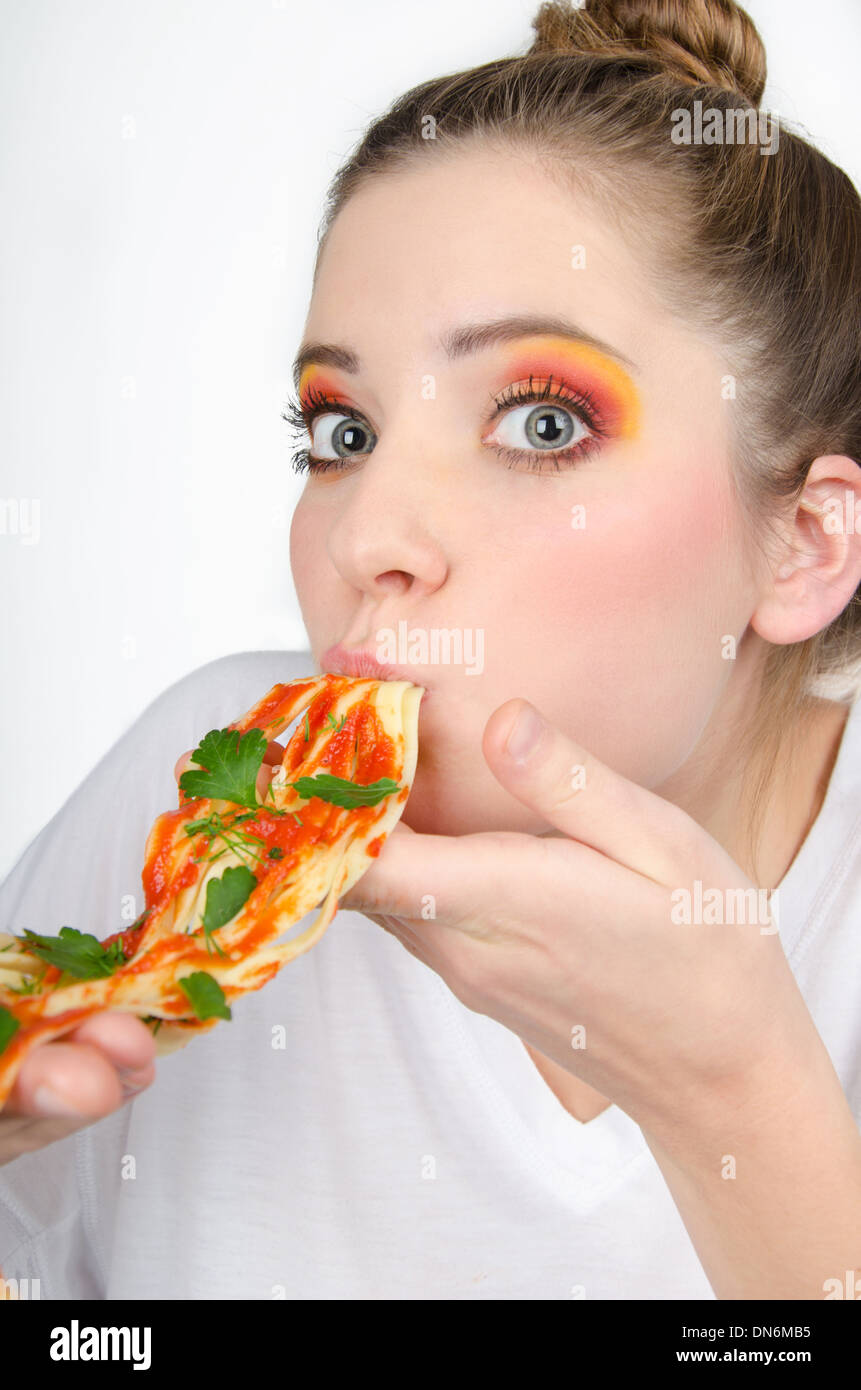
pixel 697 41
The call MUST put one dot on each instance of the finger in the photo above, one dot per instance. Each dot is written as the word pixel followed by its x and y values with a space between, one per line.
pixel 271 764
pixel 181 764
pixel 124 1039
pixel 435 879
pixel 400 930
pixel 73 1079
pixel 584 798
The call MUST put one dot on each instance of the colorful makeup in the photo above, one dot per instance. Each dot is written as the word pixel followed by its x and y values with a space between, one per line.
pixel 582 369
pixel 577 365
pixel 315 381
pixel 581 377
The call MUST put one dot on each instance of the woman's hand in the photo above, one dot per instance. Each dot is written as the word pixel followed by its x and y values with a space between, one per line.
pixel 569 939
pixel 72 1082
pixel 95 1068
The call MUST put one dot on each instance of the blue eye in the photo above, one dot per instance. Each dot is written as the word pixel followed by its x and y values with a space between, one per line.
pixel 333 433
pixel 560 424
pixel 553 424
pixel 340 431
pixel 545 427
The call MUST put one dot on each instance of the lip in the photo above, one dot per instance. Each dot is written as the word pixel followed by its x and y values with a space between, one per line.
pixel 360 661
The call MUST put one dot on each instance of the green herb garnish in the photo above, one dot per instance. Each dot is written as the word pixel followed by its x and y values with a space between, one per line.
pixel 224 898
pixel 27 986
pixel 9 1026
pixel 227 766
pixel 76 953
pixel 242 842
pixel 214 824
pixel 341 792
pixel 205 995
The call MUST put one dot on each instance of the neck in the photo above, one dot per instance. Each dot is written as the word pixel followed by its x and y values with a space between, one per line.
pixel 717 792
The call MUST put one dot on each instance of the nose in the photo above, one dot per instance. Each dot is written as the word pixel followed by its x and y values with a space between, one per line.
pixel 387 538
pixel 394 582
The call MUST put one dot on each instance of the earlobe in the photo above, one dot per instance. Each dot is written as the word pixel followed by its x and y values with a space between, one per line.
pixel 819 568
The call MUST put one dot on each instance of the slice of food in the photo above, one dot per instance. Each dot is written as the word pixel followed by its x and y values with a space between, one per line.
pixel 226 874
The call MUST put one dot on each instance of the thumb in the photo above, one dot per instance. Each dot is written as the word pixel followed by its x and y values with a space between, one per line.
pixel 583 797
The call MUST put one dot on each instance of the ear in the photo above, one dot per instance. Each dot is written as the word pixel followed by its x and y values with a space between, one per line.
pixel 818 568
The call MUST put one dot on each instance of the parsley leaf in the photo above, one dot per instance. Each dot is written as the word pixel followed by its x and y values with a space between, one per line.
pixel 215 824
pixel 9 1026
pixel 205 995
pixel 224 898
pixel 342 792
pixel 245 844
pixel 76 953
pixel 227 766
pixel 27 986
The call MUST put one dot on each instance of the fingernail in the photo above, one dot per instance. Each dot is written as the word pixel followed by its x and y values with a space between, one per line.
pixel 48 1102
pixel 133 1080
pixel 524 734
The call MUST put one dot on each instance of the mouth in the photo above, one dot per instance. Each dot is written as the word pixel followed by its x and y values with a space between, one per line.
pixel 358 661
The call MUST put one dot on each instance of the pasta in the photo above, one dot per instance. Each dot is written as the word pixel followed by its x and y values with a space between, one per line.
pixel 226 875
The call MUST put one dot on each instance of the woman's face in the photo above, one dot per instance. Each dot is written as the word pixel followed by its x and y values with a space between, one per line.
pixel 597 568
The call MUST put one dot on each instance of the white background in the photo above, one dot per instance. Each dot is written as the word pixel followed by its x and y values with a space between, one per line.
pixel 163 167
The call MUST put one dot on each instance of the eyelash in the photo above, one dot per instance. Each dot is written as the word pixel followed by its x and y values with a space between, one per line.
pixel 301 419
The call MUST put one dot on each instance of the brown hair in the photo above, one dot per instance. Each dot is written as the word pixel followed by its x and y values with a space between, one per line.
pixel 765 256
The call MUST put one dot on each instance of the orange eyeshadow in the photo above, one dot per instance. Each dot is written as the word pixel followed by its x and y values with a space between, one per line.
pixel 579 367
pixel 570 364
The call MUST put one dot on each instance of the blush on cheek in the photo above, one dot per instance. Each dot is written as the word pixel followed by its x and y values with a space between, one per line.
pixel 633 607
pixel 673 544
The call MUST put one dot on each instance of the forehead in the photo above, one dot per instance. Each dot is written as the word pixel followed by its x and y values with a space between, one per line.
pixel 475 235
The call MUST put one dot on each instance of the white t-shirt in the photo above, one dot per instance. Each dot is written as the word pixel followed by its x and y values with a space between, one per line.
pixel 399 1146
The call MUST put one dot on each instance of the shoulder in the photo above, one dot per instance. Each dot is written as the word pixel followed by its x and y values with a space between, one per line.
pixel 225 687
pixel 210 696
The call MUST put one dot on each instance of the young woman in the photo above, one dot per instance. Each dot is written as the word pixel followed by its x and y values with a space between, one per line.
pixel 580 379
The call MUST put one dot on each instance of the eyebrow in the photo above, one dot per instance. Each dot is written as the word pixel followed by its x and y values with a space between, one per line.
pixel 464 341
